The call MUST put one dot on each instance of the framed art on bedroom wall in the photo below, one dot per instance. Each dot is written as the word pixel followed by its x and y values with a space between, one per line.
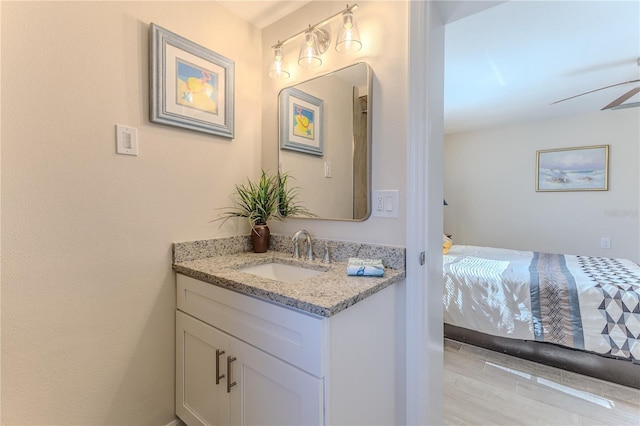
pixel 584 168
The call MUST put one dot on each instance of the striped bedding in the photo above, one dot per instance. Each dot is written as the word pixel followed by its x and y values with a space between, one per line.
pixel 581 302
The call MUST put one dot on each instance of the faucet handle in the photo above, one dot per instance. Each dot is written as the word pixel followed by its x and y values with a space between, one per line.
pixel 310 249
pixel 327 257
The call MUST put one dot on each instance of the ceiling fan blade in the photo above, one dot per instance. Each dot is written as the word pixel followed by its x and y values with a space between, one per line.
pixel 596 90
pixel 622 98
pixel 628 105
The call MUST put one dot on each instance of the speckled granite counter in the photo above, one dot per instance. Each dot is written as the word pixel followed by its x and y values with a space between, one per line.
pixel 218 261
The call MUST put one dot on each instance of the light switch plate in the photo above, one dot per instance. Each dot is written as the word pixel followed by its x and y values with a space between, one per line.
pixel 385 203
pixel 327 169
pixel 126 140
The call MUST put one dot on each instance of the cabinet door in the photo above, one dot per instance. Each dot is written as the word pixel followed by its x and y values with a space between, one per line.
pixel 269 391
pixel 199 401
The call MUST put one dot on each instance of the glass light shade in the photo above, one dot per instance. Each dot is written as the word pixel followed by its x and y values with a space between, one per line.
pixel 348 40
pixel 277 70
pixel 309 53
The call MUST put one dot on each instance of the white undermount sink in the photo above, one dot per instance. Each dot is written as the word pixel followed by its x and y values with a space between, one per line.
pixel 281 272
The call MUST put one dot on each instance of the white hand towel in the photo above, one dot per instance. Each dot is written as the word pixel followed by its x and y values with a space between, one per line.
pixel 365 267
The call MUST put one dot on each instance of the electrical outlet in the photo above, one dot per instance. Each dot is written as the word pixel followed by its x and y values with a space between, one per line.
pixel 385 203
pixel 605 242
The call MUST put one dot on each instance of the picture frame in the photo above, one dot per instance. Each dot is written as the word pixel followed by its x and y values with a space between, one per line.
pixel 584 168
pixel 191 86
pixel 301 122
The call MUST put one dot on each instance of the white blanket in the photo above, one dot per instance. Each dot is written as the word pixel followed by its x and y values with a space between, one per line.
pixel 586 303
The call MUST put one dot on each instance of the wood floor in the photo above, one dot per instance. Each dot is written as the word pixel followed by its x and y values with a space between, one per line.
pixel 483 387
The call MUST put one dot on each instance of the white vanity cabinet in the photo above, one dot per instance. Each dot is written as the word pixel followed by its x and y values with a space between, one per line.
pixel 252 388
pixel 201 397
pixel 279 366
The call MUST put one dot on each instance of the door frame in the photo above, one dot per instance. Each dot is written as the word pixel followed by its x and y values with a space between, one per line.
pixel 424 328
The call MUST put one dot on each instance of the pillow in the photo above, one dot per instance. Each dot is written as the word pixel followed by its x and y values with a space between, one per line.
pixel 446 244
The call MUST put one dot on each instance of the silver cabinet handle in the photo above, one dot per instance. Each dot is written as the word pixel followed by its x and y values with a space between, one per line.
pixel 218 376
pixel 229 383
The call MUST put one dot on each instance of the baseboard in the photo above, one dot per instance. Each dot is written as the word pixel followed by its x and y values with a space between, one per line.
pixel 175 422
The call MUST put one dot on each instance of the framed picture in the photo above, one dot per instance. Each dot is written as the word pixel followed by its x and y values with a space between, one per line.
pixel 573 169
pixel 301 122
pixel 191 86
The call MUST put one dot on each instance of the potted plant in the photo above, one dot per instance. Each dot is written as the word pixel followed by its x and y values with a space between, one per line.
pixel 258 202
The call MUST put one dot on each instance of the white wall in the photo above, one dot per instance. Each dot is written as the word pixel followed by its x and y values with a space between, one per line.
pixel 490 188
pixel 88 294
pixel 383 29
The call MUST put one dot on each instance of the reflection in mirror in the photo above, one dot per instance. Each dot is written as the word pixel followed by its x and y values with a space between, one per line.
pixel 325 142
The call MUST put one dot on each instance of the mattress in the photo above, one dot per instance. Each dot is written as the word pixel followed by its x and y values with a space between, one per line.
pixel 580 302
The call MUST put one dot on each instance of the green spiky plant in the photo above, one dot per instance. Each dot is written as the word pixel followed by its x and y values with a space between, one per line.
pixel 268 198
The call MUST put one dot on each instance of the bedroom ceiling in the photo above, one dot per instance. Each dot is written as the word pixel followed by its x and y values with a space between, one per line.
pixel 508 63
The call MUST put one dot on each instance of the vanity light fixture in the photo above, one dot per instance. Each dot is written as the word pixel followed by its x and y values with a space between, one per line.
pixel 348 35
pixel 277 70
pixel 316 42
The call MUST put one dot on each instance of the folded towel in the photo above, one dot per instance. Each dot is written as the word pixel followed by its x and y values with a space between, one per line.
pixel 365 267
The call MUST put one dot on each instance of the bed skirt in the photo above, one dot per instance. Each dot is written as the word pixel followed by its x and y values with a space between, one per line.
pixel 621 371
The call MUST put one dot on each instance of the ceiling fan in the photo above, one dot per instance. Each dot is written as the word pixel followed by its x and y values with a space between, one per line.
pixel 617 103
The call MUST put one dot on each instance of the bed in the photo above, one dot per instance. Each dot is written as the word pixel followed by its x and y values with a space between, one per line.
pixel 579 313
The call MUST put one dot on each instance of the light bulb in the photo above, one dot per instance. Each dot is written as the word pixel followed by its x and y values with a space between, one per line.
pixel 309 56
pixel 348 40
pixel 277 70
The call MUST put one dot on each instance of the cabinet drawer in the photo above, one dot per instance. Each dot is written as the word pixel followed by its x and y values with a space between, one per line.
pixel 292 336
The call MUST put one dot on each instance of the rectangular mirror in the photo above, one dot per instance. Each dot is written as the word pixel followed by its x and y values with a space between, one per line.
pixel 325 142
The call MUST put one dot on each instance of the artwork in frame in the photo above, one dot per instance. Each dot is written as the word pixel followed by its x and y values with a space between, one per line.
pixel 583 168
pixel 301 121
pixel 191 86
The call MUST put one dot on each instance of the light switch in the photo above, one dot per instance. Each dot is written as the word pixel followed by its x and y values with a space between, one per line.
pixel 385 203
pixel 327 169
pixel 388 203
pixel 126 140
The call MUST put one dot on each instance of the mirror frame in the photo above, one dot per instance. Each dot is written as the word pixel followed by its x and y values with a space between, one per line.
pixel 369 139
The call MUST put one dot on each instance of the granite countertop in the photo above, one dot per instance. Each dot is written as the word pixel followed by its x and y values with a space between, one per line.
pixel 324 295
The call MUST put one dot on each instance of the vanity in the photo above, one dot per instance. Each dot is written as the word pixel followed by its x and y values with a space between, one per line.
pixel 306 346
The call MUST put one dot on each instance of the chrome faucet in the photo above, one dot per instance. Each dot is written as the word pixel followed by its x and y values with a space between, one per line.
pixel 296 244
